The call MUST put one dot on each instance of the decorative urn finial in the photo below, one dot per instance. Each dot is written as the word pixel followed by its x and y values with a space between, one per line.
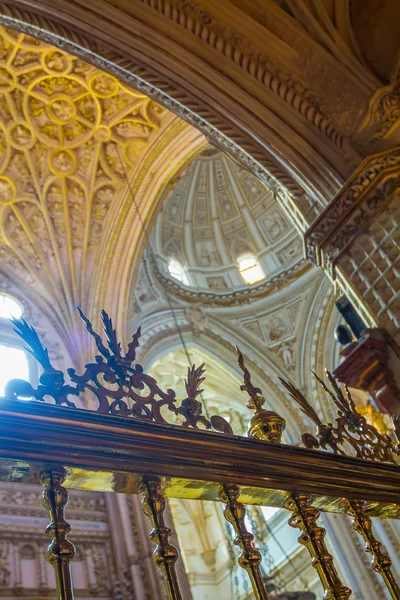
pixel 265 424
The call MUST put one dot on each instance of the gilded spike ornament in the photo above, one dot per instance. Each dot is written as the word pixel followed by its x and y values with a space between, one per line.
pixel 60 551
pixel 191 408
pixel 250 557
pixel 381 563
pixel 305 517
pixel 165 555
pixel 352 434
pixel 115 379
pixel 264 425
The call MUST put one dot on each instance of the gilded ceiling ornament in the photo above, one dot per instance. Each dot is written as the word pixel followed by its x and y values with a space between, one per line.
pixel 160 90
pixel 69 135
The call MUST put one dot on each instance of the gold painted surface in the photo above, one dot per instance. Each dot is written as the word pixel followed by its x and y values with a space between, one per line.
pixel 110 453
pixel 70 135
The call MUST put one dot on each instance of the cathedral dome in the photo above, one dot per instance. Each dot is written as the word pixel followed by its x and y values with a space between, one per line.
pixel 221 228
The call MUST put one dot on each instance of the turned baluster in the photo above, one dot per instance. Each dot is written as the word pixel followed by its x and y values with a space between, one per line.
pixel 60 551
pixel 165 555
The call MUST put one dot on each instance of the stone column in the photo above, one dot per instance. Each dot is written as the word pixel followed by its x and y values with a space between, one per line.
pixel 43 581
pixel 17 569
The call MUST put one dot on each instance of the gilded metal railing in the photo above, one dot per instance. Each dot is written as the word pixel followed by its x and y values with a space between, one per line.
pixel 126 445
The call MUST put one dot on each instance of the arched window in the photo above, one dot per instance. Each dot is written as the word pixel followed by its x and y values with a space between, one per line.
pixel 250 269
pixel 13 360
pixel 9 307
pixel 177 271
pixel 13 365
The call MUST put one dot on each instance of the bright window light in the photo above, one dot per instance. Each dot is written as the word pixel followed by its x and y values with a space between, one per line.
pixel 177 271
pixel 268 512
pixel 250 269
pixel 13 365
pixel 9 307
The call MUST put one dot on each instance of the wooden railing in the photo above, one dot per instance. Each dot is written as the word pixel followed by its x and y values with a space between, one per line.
pixel 134 450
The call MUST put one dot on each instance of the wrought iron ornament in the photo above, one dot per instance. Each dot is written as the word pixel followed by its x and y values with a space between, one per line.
pixel 121 388
pixel 352 434
pixel 51 381
pixel 114 379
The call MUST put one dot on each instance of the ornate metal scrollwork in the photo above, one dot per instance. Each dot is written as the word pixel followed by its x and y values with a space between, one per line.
pixel 51 381
pixel 351 433
pixel 119 384
pixel 115 380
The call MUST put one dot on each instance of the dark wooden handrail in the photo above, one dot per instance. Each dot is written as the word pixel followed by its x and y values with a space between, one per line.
pixel 111 453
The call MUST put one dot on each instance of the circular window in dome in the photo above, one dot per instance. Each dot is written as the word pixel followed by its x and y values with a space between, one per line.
pixel 250 269
pixel 10 307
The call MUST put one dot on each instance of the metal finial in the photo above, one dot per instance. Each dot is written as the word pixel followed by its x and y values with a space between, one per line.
pixel 264 425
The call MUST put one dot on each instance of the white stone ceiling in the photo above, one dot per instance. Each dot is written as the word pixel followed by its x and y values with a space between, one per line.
pixel 216 212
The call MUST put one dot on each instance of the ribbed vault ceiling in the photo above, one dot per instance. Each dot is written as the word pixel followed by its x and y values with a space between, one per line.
pixel 70 137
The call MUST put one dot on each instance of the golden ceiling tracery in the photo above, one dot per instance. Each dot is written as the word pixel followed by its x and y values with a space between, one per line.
pixel 69 136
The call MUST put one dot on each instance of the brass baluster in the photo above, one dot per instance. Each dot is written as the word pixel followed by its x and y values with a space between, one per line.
pixel 305 518
pixel 381 563
pixel 60 551
pixel 165 555
pixel 250 557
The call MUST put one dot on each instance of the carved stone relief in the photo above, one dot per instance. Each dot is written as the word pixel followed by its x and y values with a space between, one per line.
pixel 23 569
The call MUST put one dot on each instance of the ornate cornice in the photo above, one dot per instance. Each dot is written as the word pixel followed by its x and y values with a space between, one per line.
pixel 230 44
pixel 359 201
pixel 383 116
pixel 246 295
